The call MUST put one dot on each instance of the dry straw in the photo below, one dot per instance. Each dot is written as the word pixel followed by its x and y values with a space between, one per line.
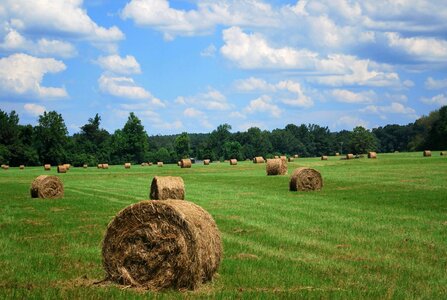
pixel 290 159
pixel 67 166
pixel 5 167
pixel 206 162
pixel 427 153
pixel 160 164
pixel 162 244
pixel 443 153
pixel 296 156
pixel 127 165
pixel 337 154
pixel 372 155
pixel 85 166
pixel 167 187
pixel 47 167
pixel 45 186
pixel 185 163
pixel 349 156
pixel 305 179
pixel 21 167
pixel 99 166
pixel 105 166
pixel 276 166
pixel 258 160
pixel 233 161
pixel 324 157
pixel 61 169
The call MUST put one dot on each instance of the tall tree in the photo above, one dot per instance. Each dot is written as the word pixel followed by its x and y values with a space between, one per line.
pixel 218 138
pixel 182 145
pixel 362 140
pixel 136 139
pixel 51 138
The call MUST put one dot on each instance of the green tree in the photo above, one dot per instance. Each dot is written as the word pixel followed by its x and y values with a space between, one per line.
pixel 362 140
pixel 182 145
pixel 233 150
pixel 135 140
pixel 218 138
pixel 51 138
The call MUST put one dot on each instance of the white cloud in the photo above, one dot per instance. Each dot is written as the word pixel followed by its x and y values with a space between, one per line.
pixel 237 115
pixel 427 49
pixel 439 100
pixel 191 112
pixel 263 104
pixel 209 51
pixel 433 84
pixel 350 122
pixel 120 65
pixel 22 74
pixel 122 87
pixel 254 84
pixel 177 124
pixel 393 108
pixel 210 100
pixel 347 96
pixel 34 109
pixel 300 100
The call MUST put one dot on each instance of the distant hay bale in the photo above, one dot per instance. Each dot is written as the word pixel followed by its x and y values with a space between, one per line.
pixel 185 163
pixel 5 167
pixel 160 164
pixel 85 166
pixel 350 156
pixel 105 166
pixel 324 157
pixel 45 186
pixel 61 169
pixel 276 166
pixel 296 156
pixel 233 162
pixel 305 179
pixel 276 156
pixel 144 164
pixel 167 187
pixel 206 162
pixel 127 165
pixel 179 163
pixel 149 164
pixel 427 153
pixel 47 167
pixel 258 160
pixel 443 153
pixel 158 245
pixel 67 166
pixel 21 167
pixel 372 154
pixel 99 166
pixel 290 159
pixel 337 154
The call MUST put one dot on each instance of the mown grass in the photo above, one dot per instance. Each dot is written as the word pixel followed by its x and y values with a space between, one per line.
pixel 378 229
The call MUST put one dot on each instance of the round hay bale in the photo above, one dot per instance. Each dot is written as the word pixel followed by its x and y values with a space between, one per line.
pixel 290 159
pixel 258 160
pixel 150 164
pixel 160 164
pixel 350 156
pixel 372 155
pixel 324 157
pixel 85 166
pixel 305 179
pixel 21 167
pixel 67 166
pixel 5 167
pixel 276 156
pixel 47 167
pixel 185 163
pixel 144 164
pixel 337 154
pixel 427 153
pixel 61 169
pixel 206 162
pixel 296 156
pixel 99 166
pixel 443 153
pixel 167 187
pixel 105 166
pixel 47 187
pixel 233 162
pixel 162 244
pixel 127 165
pixel 276 166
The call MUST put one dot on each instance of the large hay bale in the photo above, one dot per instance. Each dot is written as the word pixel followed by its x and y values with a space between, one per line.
pixel 324 157
pixel 276 166
pixel 127 165
pixel 167 187
pixel 427 153
pixel 45 186
pixel 105 166
pixel 185 163
pixel 162 244
pixel 233 162
pixel 372 154
pixel 47 167
pixel 258 160
pixel 21 167
pixel 61 169
pixel 350 156
pixel 206 162
pixel 305 179
pixel 160 164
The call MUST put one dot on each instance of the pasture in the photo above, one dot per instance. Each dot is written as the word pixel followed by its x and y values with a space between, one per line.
pixel 377 229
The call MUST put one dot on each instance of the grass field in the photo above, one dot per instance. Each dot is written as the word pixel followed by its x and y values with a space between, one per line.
pixel 378 229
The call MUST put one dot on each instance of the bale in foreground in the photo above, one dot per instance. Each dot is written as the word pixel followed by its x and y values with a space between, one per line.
pixel 167 187
pixel 45 186
pixel 305 179
pixel 162 244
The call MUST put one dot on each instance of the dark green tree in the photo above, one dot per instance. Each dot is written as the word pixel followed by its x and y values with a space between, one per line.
pixel 233 150
pixel 182 145
pixel 135 140
pixel 362 141
pixel 51 138
pixel 218 138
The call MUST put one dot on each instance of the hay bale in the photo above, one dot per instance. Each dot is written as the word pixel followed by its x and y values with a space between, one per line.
pixel 61 169
pixel 5 167
pixel 233 162
pixel 337 154
pixel 105 166
pixel 276 166
pixel 372 154
pixel 324 157
pixel 160 164
pixel 206 162
pixel 47 187
pixel 149 164
pixel 276 156
pixel 67 166
pixel 127 165
pixel 47 167
pixel 296 156
pixel 21 167
pixel 144 164
pixel 427 153
pixel 167 187
pixel 162 244
pixel 305 179
pixel 290 159
pixel 443 153
pixel 258 160
pixel 350 156
pixel 85 166
pixel 185 163
pixel 99 166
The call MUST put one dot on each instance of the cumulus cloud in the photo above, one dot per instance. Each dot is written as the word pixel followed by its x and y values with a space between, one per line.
pixel 350 122
pixel 263 104
pixel 254 84
pixel 347 96
pixel 393 108
pixel 433 84
pixel 438 100
pixel 191 112
pixel 120 65
pixel 426 49
pixel 210 100
pixel 34 109
pixel 122 87
pixel 22 74
pixel 209 51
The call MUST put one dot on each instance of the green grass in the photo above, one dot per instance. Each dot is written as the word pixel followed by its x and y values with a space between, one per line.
pixel 378 229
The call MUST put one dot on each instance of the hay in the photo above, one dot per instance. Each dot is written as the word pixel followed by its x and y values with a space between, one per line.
pixel 305 179
pixel 233 162
pixel 162 244
pixel 99 166
pixel 337 154
pixel 296 156
pixel 67 166
pixel 47 167
pixel 105 166
pixel 5 167
pixel 167 187
pixel 372 155
pixel 258 160
pixel 45 186
pixel 149 164
pixel 427 153
pixel 85 166
pixel 324 157
pixel 179 163
pixel 206 162
pixel 160 164
pixel 290 159
pixel 127 165
pixel 185 163
pixel 61 169
pixel 350 156
pixel 144 164
pixel 21 167
pixel 443 153
pixel 276 156
pixel 276 166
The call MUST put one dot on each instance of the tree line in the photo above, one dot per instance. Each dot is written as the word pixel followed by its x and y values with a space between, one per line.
pixel 49 141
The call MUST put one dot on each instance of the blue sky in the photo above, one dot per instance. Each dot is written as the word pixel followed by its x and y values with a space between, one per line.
pixel 192 65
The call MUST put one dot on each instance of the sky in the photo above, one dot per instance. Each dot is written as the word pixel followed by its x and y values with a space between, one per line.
pixel 191 65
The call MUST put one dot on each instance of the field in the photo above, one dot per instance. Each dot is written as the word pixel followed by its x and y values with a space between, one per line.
pixel 378 229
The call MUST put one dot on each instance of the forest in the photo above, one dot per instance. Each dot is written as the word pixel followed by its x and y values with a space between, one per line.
pixel 49 141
